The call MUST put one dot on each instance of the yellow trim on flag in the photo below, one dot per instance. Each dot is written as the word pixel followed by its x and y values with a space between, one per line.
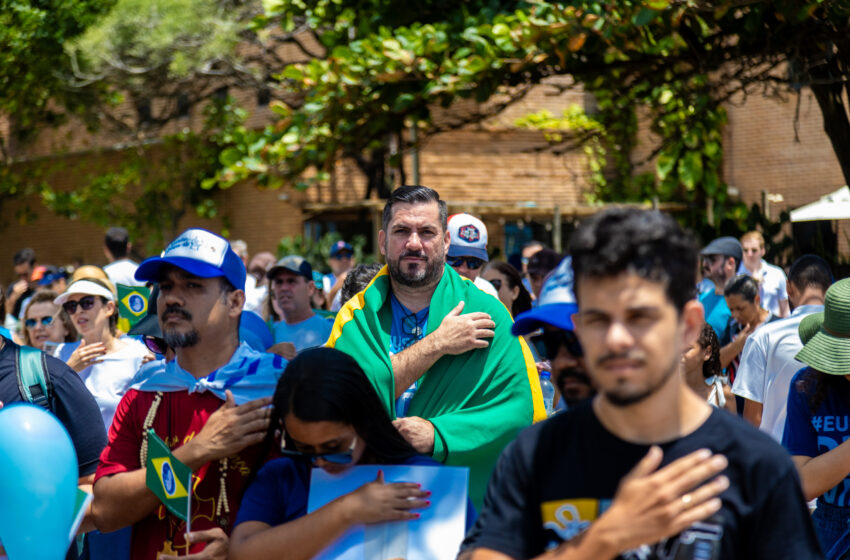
pixel 346 314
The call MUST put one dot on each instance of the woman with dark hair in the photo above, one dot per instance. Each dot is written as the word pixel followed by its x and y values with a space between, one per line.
pixel 703 374
pixel 330 417
pixel 817 424
pixel 45 322
pixel 508 282
pixel 744 302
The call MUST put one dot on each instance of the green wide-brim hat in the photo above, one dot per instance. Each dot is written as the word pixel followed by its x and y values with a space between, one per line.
pixel 809 326
pixel 829 349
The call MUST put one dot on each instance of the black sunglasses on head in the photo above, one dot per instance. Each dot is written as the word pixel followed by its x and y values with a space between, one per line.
pixel 86 303
pixel 471 262
pixel 549 342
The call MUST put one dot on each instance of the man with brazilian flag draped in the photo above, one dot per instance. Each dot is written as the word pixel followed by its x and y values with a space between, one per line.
pixel 437 349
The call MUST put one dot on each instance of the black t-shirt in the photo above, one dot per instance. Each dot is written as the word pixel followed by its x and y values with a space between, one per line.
pixel 72 404
pixel 560 475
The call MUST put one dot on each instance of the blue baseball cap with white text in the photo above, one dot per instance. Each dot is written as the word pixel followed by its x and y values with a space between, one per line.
pixel 200 253
pixel 557 302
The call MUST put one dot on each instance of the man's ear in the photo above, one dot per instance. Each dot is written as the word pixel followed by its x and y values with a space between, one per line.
pixel 693 318
pixel 235 302
pixel 382 237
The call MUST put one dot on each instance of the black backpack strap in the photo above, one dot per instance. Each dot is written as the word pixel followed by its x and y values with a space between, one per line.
pixel 33 379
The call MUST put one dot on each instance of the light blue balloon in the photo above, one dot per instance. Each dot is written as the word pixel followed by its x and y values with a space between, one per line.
pixel 38 484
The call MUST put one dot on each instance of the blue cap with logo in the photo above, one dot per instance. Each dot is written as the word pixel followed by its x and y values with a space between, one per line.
pixel 200 253
pixel 556 304
pixel 341 247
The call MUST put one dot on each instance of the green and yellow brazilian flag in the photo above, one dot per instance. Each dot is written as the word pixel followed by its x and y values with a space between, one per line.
pixel 169 479
pixel 132 305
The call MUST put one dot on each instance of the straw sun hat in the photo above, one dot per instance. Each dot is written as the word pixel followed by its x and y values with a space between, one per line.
pixel 829 349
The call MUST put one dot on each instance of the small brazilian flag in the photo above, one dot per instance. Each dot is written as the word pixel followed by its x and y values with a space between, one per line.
pixel 132 302
pixel 168 478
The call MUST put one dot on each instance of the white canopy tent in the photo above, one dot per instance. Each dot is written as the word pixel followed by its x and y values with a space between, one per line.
pixel 833 206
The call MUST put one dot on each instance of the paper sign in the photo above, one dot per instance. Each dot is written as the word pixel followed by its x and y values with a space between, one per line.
pixel 436 535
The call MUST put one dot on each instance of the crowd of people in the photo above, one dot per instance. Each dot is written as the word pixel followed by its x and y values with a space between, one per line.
pixel 699 409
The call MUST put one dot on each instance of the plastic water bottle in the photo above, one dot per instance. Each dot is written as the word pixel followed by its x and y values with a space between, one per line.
pixel 548 392
pixel 402 404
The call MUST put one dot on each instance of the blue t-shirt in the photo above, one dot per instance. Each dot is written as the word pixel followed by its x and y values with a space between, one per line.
pixel 407 326
pixel 309 333
pixel 279 493
pixel 717 315
pixel 811 435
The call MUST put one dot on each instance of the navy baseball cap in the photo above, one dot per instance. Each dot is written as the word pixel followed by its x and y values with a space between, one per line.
pixel 293 263
pixel 200 253
pixel 557 303
pixel 339 247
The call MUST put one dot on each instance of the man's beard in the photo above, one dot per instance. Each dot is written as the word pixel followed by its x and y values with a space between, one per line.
pixel 623 399
pixel 176 339
pixel 423 277
pixel 573 394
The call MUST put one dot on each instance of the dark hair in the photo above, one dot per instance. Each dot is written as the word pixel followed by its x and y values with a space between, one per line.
pixel 325 384
pixel 743 285
pixel 523 301
pixel 48 296
pixel 810 270
pixel 117 239
pixel 357 279
pixel 24 256
pixel 642 242
pixel 413 194
pixel 817 386
pixel 708 338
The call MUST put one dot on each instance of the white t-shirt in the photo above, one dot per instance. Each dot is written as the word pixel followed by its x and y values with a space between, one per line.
pixel 767 366
pixel 309 333
pixel 486 286
pixel 122 272
pixel 108 379
pixel 255 296
pixel 772 285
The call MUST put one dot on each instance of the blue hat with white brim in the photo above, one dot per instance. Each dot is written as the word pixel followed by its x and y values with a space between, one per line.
pixel 200 253
pixel 557 303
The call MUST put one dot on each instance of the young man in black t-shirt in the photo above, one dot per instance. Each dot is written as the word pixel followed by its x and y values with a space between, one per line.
pixel 564 489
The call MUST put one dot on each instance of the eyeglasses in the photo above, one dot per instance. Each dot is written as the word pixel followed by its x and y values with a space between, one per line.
pixel 497 283
pixel 86 303
pixel 344 458
pixel 549 342
pixel 155 344
pixel 471 262
pixel 45 321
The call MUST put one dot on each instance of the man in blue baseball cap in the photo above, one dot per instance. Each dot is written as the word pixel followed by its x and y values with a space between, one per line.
pixel 555 340
pixel 293 288
pixel 209 404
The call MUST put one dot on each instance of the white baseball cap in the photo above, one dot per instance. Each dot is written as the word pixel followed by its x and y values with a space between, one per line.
pixel 468 237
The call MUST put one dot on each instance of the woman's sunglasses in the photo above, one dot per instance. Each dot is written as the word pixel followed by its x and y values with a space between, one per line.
pixel 45 321
pixel 549 342
pixel 497 283
pixel 471 262
pixel 86 303
pixel 344 458
pixel 155 344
